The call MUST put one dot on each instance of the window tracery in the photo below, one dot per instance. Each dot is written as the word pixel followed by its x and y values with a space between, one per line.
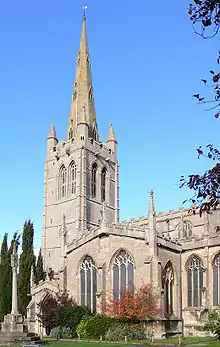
pixel 88 283
pixel 194 281
pixel 123 274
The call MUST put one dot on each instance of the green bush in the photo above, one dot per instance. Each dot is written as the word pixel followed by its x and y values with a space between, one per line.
pixel 61 333
pixel 212 323
pixel 117 332
pixel 70 316
pixel 92 327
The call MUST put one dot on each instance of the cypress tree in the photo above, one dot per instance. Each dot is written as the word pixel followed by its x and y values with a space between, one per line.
pixel 5 279
pixel 6 275
pixel 39 274
pixel 27 260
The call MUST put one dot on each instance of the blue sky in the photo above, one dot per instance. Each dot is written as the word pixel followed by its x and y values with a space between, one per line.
pixel 146 63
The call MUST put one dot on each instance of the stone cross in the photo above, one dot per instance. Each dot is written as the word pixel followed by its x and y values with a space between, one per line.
pixel 14 265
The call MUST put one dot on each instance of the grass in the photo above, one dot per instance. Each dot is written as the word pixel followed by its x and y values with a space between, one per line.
pixel 208 342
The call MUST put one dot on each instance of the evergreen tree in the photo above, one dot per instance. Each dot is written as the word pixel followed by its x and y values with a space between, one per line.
pixel 6 274
pixel 39 274
pixel 5 280
pixel 27 260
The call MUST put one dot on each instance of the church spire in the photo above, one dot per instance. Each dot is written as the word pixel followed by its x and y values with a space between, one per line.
pixel 82 109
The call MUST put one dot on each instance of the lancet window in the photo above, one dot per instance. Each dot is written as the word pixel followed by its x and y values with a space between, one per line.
pixel 72 178
pixel 94 180
pixel 103 184
pixel 62 182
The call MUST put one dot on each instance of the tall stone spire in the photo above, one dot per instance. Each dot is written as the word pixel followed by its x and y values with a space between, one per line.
pixel 82 110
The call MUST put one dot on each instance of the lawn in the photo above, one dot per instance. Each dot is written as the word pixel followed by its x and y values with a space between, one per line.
pixel 195 341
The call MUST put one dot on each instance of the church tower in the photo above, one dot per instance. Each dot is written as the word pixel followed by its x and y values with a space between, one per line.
pixel 80 173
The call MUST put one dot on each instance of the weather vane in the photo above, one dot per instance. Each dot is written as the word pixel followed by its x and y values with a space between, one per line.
pixel 84 9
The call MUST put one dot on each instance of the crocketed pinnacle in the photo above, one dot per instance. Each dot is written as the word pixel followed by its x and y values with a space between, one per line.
pixel 111 134
pixel 151 210
pixel 52 132
pixel 82 110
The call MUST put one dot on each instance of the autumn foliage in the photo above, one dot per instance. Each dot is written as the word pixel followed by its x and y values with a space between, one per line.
pixel 134 306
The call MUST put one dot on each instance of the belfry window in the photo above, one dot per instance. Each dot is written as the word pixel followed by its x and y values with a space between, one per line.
pixel 62 182
pixel 72 178
pixel 94 180
pixel 123 274
pixel 70 134
pixel 194 281
pixel 216 280
pixel 168 281
pixel 103 184
pixel 88 283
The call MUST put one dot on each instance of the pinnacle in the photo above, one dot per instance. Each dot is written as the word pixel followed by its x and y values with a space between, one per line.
pixel 151 211
pixel 52 132
pixel 111 134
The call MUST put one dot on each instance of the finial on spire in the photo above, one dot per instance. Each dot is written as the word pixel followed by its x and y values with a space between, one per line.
pixel 84 11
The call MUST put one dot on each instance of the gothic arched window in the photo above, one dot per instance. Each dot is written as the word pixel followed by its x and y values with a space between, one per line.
pixel 72 178
pixel 62 182
pixel 216 280
pixel 123 274
pixel 88 283
pixel 194 281
pixel 103 184
pixel 94 180
pixel 168 280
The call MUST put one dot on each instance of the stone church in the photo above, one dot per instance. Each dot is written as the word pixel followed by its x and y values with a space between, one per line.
pixel 92 254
